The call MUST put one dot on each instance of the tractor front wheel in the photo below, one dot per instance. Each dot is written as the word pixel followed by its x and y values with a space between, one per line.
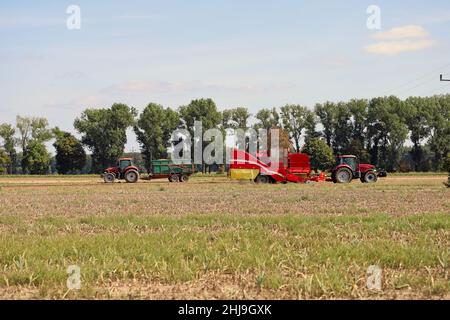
pixel 109 177
pixel 369 177
pixel 132 176
pixel 343 175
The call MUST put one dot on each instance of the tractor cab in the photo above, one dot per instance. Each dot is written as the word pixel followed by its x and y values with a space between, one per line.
pixel 348 168
pixel 124 163
pixel 351 161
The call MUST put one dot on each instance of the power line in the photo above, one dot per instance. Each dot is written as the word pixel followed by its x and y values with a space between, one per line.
pixel 426 75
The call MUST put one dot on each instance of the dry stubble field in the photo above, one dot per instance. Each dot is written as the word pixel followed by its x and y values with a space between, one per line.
pixel 213 238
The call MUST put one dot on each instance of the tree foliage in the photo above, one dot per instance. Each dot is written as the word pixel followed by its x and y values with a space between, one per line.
pixel 33 133
pixel 104 132
pixel 153 131
pixel 36 159
pixel 7 133
pixel 320 153
pixel 70 155
pixel 294 119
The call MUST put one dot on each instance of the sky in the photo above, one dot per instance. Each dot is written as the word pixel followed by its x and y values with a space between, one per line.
pixel 253 54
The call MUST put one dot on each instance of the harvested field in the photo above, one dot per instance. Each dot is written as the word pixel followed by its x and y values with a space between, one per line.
pixel 213 238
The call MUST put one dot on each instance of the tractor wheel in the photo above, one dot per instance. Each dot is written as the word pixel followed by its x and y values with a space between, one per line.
pixel 109 177
pixel 262 179
pixel 343 175
pixel 370 177
pixel 174 178
pixel 184 178
pixel 132 176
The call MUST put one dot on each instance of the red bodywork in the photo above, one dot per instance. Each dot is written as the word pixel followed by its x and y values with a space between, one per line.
pixel 121 173
pixel 298 169
pixel 359 170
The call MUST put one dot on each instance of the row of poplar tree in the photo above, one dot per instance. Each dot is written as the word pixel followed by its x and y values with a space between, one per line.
pixel 394 134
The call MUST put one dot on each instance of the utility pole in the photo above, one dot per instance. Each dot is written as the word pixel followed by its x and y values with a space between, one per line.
pixel 442 78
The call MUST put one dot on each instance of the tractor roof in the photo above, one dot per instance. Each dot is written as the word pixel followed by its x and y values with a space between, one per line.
pixel 347 156
pixel 125 159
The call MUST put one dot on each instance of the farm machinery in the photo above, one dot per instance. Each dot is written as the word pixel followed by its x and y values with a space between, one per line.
pixel 244 166
pixel 160 169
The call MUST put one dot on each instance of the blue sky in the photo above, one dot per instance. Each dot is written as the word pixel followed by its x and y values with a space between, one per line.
pixel 240 53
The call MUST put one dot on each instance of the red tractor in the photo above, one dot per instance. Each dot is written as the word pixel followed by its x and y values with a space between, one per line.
pixel 348 168
pixel 124 170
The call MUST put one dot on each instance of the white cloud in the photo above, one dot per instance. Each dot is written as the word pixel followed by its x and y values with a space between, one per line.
pixel 405 32
pixel 400 39
pixel 396 47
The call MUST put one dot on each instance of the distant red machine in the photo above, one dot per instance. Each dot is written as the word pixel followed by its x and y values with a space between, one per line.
pixel 244 166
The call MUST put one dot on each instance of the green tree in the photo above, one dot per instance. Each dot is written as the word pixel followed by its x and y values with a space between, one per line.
pixel 267 119
pixel 153 131
pixel 418 120
pixel 359 111
pixel 342 128
pixel 204 110
pixel 440 129
pixel 387 131
pixel 104 133
pixel 33 133
pixel 7 133
pixel 321 154
pixel 70 155
pixel 5 161
pixel 310 126
pixel 294 118
pixel 37 159
pixel 327 116
pixel 235 118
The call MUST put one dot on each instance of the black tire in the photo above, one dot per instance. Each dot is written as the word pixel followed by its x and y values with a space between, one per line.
pixel 343 175
pixel 174 178
pixel 131 176
pixel 184 178
pixel 370 177
pixel 261 179
pixel 109 178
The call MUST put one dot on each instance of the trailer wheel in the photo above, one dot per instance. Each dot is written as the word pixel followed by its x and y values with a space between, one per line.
pixel 174 178
pixel 131 176
pixel 109 177
pixel 343 175
pixel 370 177
pixel 184 178
pixel 262 179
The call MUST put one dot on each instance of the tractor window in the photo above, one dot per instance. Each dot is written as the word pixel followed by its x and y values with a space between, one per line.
pixel 350 162
pixel 124 164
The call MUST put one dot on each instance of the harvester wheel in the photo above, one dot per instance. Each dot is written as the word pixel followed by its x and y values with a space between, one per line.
pixel 132 176
pixel 109 177
pixel 343 175
pixel 184 178
pixel 174 178
pixel 370 177
pixel 262 179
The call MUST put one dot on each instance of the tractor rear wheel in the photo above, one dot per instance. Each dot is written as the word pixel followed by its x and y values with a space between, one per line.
pixel 343 175
pixel 174 178
pixel 370 177
pixel 109 177
pixel 132 176
pixel 262 179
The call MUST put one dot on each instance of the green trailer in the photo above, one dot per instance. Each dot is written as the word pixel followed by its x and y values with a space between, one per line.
pixel 175 172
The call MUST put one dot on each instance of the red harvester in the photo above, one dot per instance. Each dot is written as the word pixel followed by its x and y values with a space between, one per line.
pixel 244 166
